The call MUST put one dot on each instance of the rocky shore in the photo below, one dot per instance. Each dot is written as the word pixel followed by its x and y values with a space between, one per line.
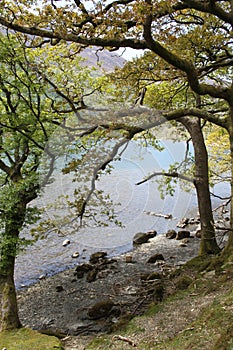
pixel 98 295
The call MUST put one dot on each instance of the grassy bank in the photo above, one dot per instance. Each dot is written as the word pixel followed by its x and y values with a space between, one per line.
pixel 196 314
pixel 27 339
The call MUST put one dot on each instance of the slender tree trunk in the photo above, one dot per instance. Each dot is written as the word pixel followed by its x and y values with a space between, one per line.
pixel 8 303
pixel 208 243
pixel 228 251
pixel 14 219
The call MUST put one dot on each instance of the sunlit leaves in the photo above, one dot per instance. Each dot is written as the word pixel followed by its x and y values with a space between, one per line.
pixel 219 154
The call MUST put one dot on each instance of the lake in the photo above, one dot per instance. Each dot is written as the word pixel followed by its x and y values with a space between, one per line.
pixel 49 256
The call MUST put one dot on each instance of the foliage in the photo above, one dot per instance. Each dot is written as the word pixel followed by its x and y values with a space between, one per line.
pixel 219 155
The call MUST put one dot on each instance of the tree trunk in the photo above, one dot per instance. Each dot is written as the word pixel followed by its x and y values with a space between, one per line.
pixel 208 243
pixel 8 303
pixel 14 220
pixel 228 251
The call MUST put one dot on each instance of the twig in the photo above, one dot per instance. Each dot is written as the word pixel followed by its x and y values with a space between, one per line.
pixel 127 340
pixel 223 228
pixel 222 205
pixel 139 305
pixel 174 174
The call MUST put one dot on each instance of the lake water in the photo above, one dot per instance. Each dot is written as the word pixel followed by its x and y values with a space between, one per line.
pixel 48 256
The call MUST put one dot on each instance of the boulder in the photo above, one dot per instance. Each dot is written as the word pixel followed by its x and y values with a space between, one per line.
pixel 143 237
pixel 91 275
pixel 154 258
pixel 95 257
pixel 100 309
pixel 82 269
pixel 171 234
pixel 182 234
pixel 183 223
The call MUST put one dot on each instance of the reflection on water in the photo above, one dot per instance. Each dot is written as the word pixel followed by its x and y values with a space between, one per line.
pixel 49 256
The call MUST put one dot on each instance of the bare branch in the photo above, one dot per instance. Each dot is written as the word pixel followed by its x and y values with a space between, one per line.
pixel 160 173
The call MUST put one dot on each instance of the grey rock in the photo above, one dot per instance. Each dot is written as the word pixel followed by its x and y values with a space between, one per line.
pixel 182 234
pixel 154 258
pixel 101 309
pixel 95 257
pixel 143 237
pixel 171 234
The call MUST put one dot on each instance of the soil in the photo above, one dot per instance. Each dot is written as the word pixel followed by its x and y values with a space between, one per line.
pixel 63 304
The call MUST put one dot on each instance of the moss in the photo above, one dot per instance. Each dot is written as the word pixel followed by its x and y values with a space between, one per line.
pixel 198 264
pixel 183 282
pixel 153 309
pixel 212 330
pixel 27 339
pixel 99 343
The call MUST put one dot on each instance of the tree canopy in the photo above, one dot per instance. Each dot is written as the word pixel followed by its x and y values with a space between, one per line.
pixel 188 59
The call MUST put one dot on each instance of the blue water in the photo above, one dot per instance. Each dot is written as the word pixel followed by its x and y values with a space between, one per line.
pixel 48 256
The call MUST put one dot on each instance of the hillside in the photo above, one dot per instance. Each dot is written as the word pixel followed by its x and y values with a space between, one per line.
pixel 106 59
pixel 196 313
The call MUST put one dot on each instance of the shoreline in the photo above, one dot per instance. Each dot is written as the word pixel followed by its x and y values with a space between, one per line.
pixel 63 302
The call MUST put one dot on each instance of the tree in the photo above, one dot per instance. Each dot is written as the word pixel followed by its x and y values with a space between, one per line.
pixel 193 37
pixel 32 108
pixel 160 94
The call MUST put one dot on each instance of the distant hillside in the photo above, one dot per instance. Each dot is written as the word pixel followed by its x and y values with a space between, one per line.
pixel 108 60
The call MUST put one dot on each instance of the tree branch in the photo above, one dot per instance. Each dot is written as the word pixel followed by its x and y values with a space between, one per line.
pixel 160 173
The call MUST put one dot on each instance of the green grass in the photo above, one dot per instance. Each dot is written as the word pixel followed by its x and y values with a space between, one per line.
pixel 27 339
pixel 211 330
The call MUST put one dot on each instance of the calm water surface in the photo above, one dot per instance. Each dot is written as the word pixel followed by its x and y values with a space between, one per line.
pixel 48 256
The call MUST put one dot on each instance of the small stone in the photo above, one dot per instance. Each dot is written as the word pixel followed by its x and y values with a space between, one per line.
pixel 42 277
pixel 182 245
pixel 128 259
pixel 183 223
pixel 75 255
pixel 182 234
pixel 171 234
pixel 91 276
pixel 154 258
pixel 209 274
pixel 82 269
pixel 66 242
pixel 95 257
pixel 59 288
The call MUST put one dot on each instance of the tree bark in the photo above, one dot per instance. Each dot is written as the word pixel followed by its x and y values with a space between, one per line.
pixel 228 251
pixel 9 318
pixel 208 243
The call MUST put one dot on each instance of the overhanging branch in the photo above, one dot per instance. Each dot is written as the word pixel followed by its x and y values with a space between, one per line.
pixel 161 173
